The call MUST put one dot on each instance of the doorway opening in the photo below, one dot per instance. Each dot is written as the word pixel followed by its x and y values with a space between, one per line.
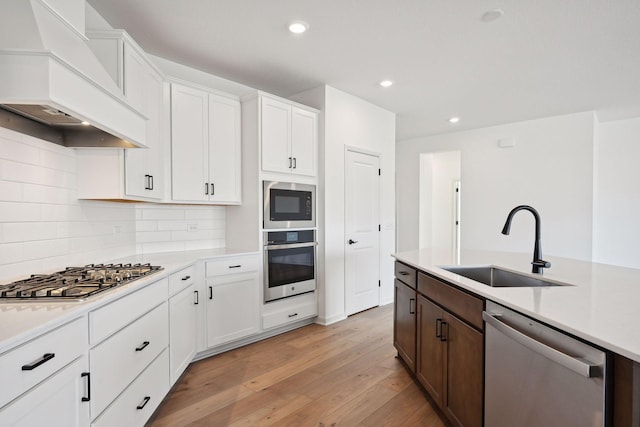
pixel 440 202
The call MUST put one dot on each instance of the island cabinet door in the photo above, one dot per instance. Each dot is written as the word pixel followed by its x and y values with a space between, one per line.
pixel 430 351
pixel 464 372
pixel 404 331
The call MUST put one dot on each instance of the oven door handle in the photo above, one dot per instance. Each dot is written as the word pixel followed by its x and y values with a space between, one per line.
pixel 290 246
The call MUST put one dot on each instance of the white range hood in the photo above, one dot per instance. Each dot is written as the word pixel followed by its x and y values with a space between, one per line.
pixel 49 74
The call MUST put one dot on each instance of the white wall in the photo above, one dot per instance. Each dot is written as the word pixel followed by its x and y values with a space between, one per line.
pixel 616 227
pixel 550 168
pixel 350 121
pixel 44 227
pixel 439 171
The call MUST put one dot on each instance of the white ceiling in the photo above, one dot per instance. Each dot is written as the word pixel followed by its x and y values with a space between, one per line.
pixel 542 58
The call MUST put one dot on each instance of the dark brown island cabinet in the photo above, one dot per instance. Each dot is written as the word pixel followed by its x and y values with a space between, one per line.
pixel 438 332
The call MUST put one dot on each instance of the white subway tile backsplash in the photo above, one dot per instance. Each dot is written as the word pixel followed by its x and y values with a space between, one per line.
pixel 28 231
pixel 195 245
pixel 19 212
pixel 165 213
pixel 147 237
pixel 148 248
pixel 44 227
pixel 11 191
pixel 11 253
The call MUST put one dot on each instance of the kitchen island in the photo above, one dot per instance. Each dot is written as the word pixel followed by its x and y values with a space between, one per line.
pixel 595 302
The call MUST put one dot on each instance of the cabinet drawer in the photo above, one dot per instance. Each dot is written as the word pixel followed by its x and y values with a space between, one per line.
pixel 113 317
pixel 182 279
pixel 118 360
pixel 45 355
pixel 405 274
pixel 466 306
pixel 232 265
pixel 130 409
pixel 289 315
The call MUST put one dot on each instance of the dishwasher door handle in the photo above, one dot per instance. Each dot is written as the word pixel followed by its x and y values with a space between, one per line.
pixel 581 367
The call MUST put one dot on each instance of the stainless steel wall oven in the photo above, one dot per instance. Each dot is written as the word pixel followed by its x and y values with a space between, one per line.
pixel 289 262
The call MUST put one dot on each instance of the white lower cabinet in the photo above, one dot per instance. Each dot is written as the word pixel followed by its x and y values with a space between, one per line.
pixel 289 310
pixel 119 359
pixel 232 299
pixel 183 317
pixel 128 336
pixel 56 402
pixel 138 402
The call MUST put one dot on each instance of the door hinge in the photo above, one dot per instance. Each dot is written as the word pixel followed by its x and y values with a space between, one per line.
pixel 379 172
pixel 378 283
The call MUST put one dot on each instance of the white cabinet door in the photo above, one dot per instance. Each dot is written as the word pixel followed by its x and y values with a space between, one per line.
pixel 304 134
pixel 189 144
pixel 276 135
pixel 232 308
pixel 143 89
pixel 56 402
pixel 182 330
pixel 224 149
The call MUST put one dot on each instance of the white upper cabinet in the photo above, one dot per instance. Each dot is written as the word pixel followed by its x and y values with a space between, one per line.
pixel 143 87
pixel 205 146
pixel 130 174
pixel 304 134
pixel 288 137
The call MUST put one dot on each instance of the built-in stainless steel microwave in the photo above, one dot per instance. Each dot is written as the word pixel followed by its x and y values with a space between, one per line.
pixel 289 205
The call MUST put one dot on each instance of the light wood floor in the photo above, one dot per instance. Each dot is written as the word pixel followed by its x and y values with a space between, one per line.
pixel 345 374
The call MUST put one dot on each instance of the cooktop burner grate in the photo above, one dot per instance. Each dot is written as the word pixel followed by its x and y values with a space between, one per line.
pixel 74 283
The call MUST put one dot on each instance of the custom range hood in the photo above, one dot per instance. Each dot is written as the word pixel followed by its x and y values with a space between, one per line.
pixel 51 84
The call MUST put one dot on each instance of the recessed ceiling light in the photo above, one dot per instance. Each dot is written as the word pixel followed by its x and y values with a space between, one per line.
pixel 85 123
pixel 454 120
pixel 298 27
pixel 492 15
pixel 386 83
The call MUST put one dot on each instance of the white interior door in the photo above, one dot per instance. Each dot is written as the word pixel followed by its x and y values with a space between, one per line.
pixel 362 225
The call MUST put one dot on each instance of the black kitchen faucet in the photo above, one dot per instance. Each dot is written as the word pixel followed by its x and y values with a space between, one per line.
pixel 538 263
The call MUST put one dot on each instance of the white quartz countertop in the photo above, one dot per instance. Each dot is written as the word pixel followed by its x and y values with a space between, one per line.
pixel 20 322
pixel 602 305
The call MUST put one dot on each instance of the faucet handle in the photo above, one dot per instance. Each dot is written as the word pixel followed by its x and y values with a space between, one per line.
pixel 541 263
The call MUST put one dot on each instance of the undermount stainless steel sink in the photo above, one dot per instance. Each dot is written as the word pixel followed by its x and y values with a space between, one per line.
pixel 500 278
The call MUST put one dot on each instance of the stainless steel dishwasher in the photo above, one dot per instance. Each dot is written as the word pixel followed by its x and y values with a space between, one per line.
pixel 536 376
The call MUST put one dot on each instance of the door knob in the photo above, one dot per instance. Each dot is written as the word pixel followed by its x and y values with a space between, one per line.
pixel 351 242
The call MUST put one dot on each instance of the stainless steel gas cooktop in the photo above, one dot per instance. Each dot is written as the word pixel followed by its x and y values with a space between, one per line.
pixel 74 283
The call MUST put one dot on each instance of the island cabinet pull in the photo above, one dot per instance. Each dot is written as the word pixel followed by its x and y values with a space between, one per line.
pixel 186 278
pixel 412 309
pixel 143 346
pixel 443 327
pixel 438 328
pixel 33 365
pixel 403 273
pixel 88 375
pixel 144 402
pixel 196 298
